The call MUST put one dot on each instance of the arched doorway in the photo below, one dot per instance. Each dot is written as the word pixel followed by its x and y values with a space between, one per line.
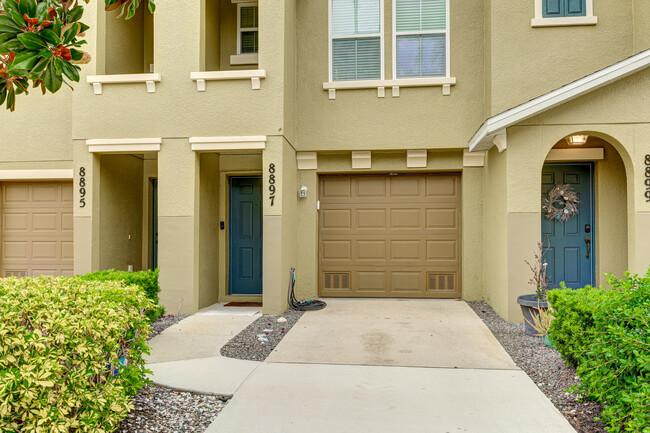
pixel 592 239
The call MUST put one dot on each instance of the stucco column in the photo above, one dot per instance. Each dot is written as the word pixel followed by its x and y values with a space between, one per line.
pixel 640 260
pixel 177 237
pixel 280 234
pixel 86 172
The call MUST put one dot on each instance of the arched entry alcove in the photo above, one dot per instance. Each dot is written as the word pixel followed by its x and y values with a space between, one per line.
pixel 595 240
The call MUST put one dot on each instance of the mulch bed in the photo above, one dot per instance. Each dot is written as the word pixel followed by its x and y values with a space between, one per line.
pixel 159 410
pixel 258 340
pixel 545 367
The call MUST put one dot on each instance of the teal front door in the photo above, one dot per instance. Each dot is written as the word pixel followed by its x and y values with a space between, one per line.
pixel 245 277
pixel 571 256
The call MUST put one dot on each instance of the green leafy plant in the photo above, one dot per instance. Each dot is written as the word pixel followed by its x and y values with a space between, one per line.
pixel 71 353
pixel 605 333
pixel 146 280
pixel 40 41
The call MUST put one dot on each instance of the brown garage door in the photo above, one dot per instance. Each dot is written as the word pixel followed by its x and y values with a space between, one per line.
pixel 37 229
pixel 390 236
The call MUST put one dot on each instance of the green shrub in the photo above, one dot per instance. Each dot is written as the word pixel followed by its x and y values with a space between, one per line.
pixel 605 333
pixel 147 280
pixel 61 340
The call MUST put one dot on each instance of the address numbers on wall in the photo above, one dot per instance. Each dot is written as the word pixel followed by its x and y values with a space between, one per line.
pixel 272 188
pixel 647 178
pixel 82 187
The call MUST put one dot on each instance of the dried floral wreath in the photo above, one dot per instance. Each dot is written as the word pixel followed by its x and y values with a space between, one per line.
pixel 561 203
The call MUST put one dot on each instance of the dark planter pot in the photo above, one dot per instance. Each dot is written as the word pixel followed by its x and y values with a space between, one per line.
pixel 529 306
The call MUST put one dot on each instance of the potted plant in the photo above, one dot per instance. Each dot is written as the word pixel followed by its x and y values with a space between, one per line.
pixel 534 303
pixel 541 323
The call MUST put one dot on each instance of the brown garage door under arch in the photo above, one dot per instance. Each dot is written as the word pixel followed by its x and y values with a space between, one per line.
pixel 390 236
pixel 37 229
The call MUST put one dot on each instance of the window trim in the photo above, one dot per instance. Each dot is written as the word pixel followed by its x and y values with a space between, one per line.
pixel 446 32
pixel 382 55
pixel 247 29
pixel 540 21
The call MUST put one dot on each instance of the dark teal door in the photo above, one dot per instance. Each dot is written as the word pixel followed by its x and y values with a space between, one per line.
pixel 245 235
pixel 571 257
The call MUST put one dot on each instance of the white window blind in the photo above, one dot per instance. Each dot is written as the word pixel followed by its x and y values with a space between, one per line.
pixel 356 29
pixel 248 35
pixel 421 38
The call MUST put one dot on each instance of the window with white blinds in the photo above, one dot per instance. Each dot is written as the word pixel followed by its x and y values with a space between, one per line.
pixel 356 40
pixel 247 28
pixel 420 38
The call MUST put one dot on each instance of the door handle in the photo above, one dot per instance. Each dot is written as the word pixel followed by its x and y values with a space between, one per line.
pixel 588 242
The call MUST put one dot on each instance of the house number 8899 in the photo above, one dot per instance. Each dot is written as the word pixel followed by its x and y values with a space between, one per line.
pixel 647 178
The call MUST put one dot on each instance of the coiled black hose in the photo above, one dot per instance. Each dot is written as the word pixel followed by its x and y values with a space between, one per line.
pixel 294 304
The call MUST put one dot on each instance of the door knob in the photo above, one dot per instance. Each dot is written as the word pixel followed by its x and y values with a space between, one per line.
pixel 588 242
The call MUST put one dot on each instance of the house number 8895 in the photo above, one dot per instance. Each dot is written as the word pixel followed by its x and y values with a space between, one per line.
pixel 647 178
pixel 82 187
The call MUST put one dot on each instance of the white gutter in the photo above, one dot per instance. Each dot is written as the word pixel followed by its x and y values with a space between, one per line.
pixel 495 125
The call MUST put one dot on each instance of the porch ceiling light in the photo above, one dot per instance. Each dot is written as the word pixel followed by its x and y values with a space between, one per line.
pixel 577 140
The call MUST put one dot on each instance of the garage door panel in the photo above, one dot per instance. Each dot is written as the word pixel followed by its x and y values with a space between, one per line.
pixel 37 232
pixel 390 236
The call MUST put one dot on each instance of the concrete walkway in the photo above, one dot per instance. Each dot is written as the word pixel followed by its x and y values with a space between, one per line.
pixel 361 366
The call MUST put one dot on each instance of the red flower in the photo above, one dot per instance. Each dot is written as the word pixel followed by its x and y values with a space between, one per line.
pixel 63 52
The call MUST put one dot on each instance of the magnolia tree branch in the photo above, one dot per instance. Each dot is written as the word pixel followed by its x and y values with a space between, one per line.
pixel 41 40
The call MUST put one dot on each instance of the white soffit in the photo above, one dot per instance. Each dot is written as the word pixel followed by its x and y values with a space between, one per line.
pixel 307 160
pixel 50 174
pixel 482 139
pixel 124 145
pixel 224 144
pixel 361 160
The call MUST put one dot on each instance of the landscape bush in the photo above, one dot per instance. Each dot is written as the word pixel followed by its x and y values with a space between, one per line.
pixel 61 345
pixel 605 333
pixel 146 280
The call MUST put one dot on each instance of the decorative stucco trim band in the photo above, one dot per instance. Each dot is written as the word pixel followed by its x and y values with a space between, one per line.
pixel 124 145
pixel 255 75
pixel 99 80
pixel 380 85
pixel 36 174
pixel 361 160
pixel 575 155
pixel 473 159
pixel 307 160
pixel 482 139
pixel 221 144
pixel 416 158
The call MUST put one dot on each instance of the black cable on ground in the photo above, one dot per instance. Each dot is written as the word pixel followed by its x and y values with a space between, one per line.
pixel 294 304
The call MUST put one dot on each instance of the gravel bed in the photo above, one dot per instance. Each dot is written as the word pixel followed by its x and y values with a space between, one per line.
pixel 159 410
pixel 545 367
pixel 259 338
pixel 165 322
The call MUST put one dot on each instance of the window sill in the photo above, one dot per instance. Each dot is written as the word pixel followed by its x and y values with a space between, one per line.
pixel 564 21
pixel 380 85
pixel 244 59
pixel 98 81
pixel 255 75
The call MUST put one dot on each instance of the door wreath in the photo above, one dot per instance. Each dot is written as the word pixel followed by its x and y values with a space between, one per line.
pixel 561 203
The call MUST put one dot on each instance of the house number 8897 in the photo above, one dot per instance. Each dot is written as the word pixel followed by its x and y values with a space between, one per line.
pixel 272 188
pixel 647 178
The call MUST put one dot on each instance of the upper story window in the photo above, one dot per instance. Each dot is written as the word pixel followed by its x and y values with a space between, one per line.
pixel 247 28
pixel 550 13
pixel 421 40
pixel 356 29
pixel 564 8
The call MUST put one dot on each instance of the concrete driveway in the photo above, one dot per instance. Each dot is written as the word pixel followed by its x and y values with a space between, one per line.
pixel 359 366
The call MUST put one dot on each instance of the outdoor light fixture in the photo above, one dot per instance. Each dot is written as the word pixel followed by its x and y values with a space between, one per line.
pixel 576 140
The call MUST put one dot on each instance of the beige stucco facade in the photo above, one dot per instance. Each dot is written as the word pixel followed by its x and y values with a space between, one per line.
pixel 193 140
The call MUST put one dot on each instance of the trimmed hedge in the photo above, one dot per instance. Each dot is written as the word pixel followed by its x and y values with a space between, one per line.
pixel 146 280
pixel 61 341
pixel 605 333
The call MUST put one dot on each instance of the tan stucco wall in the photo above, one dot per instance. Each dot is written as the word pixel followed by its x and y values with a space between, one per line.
pixel 128 43
pixel 419 118
pixel 120 217
pixel 209 233
pixel 641 25
pixel 526 62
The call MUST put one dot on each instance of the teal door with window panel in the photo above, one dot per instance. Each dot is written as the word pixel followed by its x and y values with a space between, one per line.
pixel 564 8
pixel 571 255
pixel 245 264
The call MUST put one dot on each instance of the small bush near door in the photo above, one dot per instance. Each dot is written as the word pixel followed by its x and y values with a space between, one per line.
pixel 146 280
pixel 605 333
pixel 71 353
